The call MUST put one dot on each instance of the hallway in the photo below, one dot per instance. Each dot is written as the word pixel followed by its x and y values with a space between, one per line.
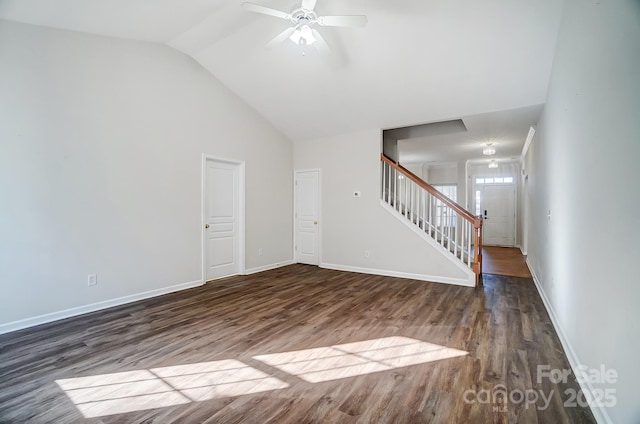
pixel 507 261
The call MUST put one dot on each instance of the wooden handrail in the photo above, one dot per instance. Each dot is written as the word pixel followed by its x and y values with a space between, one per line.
pixel 475 220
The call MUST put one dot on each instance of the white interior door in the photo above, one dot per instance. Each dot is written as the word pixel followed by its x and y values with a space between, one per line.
pixel 498 210
pixel 222 218
pixel 307 211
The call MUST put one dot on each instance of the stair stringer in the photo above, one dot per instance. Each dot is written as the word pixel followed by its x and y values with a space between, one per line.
pixel 469 281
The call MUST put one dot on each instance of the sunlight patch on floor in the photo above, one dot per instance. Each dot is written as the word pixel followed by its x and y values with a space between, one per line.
pixel 353 359
pixel 122 392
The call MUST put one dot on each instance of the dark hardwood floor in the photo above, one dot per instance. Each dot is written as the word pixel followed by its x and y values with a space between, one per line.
pixel 295 345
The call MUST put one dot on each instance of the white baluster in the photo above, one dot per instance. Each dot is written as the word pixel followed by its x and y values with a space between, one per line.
pixel 464 230
pixel 395 188
pixel 441 222
pixel 469 244
pixel 414 202
pixel 451 232
pixel 384 181
pixel 422 197
pixel 391 189
pixel 447 228
pixel 455 236
pixel 389 178
pixel 406 197
pixel 410 200
pixel 429 216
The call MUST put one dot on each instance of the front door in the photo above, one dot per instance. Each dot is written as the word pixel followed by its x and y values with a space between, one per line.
pixel 222 219
pixel 307 211
pixel 498 209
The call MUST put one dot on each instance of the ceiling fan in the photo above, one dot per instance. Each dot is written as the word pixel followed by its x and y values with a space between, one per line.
pixel 303 20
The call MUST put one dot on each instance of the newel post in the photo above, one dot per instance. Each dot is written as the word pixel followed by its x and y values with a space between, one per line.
pixel 477 248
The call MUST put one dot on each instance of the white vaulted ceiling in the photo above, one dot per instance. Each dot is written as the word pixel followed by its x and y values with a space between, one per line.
pixel 416 61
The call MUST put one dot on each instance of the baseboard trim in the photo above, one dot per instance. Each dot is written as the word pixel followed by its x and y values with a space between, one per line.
pixel 600 413
pixel 93 307
pixel 267 267
pixel 399 274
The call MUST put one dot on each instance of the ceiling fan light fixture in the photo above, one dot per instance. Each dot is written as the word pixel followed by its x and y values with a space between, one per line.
pixel 303 35
pixel 489 150
pixel 303 19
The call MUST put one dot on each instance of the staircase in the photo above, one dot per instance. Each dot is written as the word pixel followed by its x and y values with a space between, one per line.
pixel 433 214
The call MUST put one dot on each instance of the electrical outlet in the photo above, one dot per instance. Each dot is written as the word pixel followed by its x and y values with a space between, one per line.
pixel 260 252
pixel 366 254
pixel 92 280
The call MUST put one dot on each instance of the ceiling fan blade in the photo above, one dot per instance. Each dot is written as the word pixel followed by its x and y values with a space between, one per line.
pixel 320 44
pixel 252 7
pixel 308 4
pixel 343 21
pixel 280 38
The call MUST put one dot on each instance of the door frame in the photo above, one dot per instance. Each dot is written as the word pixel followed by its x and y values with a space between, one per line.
pixel 295 211
pixel 241 211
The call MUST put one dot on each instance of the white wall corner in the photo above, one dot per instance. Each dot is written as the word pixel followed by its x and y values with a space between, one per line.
pixel 268 267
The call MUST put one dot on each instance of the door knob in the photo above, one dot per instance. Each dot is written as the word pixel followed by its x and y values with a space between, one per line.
pixel 206 225
pixel 315 222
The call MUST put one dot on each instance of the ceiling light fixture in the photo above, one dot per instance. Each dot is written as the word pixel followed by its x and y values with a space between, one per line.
pixel 489 150
pixel 493 164
pixel 303 36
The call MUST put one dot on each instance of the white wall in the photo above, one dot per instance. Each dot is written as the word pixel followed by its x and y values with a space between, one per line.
pixel 416 168
pixel 442 174
pixel 583 168
pixel 100 169
pixel 351 225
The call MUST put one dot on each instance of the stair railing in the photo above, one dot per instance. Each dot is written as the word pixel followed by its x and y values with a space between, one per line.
pixel 448 223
